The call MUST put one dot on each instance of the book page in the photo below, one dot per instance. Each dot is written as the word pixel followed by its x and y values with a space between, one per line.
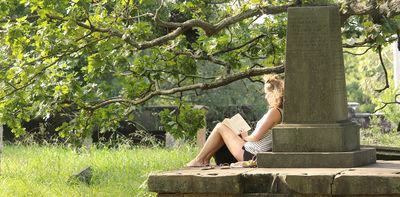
pixel 237 124
pixel 227 122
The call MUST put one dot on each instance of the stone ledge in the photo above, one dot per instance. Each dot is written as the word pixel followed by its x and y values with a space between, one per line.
pixel 337 137
pixel 195 180
pixel 361 157
pixel 380 179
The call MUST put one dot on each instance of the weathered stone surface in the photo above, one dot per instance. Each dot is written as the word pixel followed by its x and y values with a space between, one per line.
pixel 383 178
pixel 316 159
pixel 258 182
pixel 266 195
pixel 289 181
pixel 84 175
pixel 380 179
pixel 212 195
pixel 314 71
pixel 308 184
pixel 325 137
pixel 197 181
pixel 170 195
pixel 350 185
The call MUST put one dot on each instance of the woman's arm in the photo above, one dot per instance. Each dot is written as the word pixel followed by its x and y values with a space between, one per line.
pixel 269 120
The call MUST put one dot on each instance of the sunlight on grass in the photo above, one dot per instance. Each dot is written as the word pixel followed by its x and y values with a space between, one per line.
pixel 376 137
pixel 44 170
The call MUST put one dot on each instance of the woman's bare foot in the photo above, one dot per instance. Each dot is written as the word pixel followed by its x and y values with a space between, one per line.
pixel 197 163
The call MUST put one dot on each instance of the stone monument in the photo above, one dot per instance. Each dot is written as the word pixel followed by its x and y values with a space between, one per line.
pixel 315 131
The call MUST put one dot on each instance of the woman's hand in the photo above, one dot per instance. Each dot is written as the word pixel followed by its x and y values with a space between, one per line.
pixel 244 135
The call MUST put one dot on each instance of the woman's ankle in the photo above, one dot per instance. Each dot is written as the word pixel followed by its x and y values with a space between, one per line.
pixel 197 162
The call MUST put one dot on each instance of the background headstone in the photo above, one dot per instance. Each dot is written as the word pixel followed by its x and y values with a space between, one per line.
pixel 1 140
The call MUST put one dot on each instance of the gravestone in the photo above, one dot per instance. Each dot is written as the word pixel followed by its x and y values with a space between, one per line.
pixel 1 139
pixel 1 143
pixel 315 130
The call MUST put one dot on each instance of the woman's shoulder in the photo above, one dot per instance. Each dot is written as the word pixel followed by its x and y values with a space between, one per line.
pixel 274 109
pixel 274 112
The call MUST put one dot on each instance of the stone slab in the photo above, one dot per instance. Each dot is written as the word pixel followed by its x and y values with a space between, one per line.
pixel 195 180
pixel 361 157
pixel 199 195
pixel 383 178
pixel 289 180
pixel 315 88
pixel 380 179
pixel 338 137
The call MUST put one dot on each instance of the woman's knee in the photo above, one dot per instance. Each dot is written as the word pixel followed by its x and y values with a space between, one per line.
pixel 219 126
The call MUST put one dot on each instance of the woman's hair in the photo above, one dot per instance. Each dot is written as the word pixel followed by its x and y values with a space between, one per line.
pixel 273 88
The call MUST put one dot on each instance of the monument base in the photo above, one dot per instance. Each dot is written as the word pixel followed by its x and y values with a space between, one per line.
pixel 335 137
pixel 360 157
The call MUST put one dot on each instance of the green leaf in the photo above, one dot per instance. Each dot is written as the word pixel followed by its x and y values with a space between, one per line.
pixel 21 19
pixel 10 74
pixel 380 40
pixel 64 89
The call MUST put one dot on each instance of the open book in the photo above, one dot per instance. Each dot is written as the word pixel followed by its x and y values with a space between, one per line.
pixel 237 124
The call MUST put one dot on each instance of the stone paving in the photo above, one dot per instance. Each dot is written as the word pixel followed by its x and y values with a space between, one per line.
pixel 379 179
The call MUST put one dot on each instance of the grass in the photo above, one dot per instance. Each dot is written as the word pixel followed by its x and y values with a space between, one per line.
pixel 44 170
pixel 373 136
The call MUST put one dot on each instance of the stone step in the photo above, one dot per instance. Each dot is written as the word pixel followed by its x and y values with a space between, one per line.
pixel 381 178
pixel 266 195
pixel 349 159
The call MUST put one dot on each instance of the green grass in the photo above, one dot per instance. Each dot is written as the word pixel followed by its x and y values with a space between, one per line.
pixel 373 136
pixel 44 170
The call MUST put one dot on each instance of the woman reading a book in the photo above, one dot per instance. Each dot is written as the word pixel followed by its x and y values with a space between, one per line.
pixel 243 146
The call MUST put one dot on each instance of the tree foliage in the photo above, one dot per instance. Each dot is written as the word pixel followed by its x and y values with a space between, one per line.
pixel 364 75
pixel 97 60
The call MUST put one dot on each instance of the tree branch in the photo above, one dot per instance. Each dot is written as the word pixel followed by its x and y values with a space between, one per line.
pixel 205 57
pixel 351 53
pixel 32 79
pixel 199 86
pixel 389 103
pixel 240 46
pixel 59 58
pixel 211 29
pixel 384 70
pixel 9 19
pixel 388 8
pixel 364 43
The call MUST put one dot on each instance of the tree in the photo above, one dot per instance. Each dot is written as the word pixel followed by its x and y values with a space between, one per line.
pixel 97 60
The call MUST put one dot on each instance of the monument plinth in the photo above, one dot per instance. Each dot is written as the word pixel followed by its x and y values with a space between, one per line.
pixel 315 130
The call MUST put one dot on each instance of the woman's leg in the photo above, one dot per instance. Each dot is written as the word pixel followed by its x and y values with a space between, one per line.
pixel 219 136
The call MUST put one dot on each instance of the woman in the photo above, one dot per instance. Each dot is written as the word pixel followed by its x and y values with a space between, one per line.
pixel 244 147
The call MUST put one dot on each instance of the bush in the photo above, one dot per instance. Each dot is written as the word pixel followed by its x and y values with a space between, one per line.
pixel 184 123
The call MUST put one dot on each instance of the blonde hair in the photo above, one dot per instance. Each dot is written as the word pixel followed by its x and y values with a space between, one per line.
pixel 273 89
